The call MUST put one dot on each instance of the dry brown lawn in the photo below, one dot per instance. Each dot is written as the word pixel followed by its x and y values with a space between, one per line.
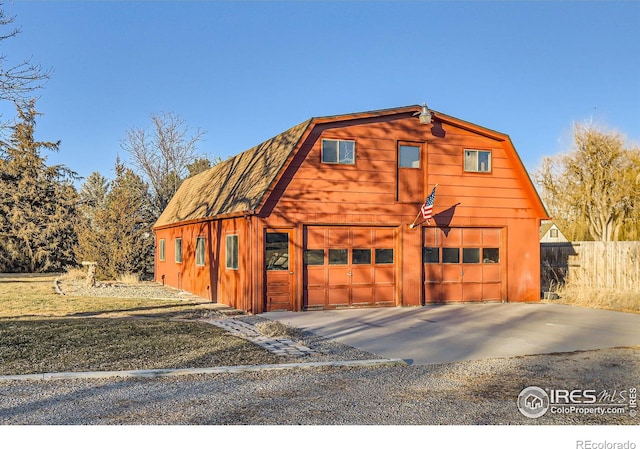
pixel 599 299
pixel 41 331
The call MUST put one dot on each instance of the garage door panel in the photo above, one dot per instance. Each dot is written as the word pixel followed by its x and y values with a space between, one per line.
pixel 338 276
pixel 339 237
pixel 316 277
pixel 362 238
pixel 491 237
pixel 451 292
pixel 348 275
pixel 385 275
pixel 384 294
pixel 362 275
pixel 362 295
pixel 451 237
pixel 472 292
pixel 492 292
pixel 472 273
pixel 384 238
pixel 431 237
pixel 491 273
pixel 316 238
pixel 462 264
pixel 472 237
pixel 316 297
pixel 338 296
pixel 433 292
pixel 433 273
pixel 451 273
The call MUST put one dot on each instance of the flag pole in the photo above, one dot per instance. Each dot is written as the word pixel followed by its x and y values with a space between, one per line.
pixel 413 225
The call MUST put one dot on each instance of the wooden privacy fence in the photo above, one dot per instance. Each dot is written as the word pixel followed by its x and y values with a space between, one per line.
pixel 610 265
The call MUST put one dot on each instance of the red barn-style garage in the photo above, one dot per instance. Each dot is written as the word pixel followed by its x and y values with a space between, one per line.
pixel 328 215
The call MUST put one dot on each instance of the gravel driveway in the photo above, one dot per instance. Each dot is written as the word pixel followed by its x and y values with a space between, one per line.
pixel 461 393
pixel 472 392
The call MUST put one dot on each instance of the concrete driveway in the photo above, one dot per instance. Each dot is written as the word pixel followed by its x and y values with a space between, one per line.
pixel 449 333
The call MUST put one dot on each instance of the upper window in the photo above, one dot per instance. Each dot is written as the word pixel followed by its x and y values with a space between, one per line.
pixel 200 245
pixel 232 252
pixel 553 233
pixel 161 250
pixel 477 161
pixel 178 250
pixel 338 151
pixel 408 156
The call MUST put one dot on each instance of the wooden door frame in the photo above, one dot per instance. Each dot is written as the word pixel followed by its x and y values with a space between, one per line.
pixel 293 265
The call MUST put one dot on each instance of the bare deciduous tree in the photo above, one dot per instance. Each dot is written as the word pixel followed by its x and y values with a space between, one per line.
pixel 594 189
pixel 19 80
pixel 163 155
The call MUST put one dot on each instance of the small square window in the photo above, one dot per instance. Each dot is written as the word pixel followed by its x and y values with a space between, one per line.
pixel 490 255
pixel 161 250
pixel 338 152
pixel 179 250
pixel 314 257
pixel 450 255
pixel 471 255
pixel 361 257
pixel 232 252
pixel 477 161
pixel 430 255
pixel 409 156
pixel 553 233
pixel 384 256
pixel 338 257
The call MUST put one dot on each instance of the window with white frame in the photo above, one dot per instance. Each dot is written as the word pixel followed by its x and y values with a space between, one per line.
pixel 178 250
pixel 478 161
pixel 231 250
pixel 338 151
pixel 161 250
pixel 200 248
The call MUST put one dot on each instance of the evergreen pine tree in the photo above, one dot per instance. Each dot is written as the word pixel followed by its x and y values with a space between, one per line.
pixel 114 226
pixel 37 203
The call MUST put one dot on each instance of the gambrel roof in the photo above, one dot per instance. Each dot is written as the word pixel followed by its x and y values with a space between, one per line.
pixel 242 183
pixel 235 185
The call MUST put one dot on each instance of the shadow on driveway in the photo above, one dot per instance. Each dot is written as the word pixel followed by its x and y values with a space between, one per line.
pixel 449 333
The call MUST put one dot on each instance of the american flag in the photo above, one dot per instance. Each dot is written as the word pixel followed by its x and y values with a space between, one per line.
pixel 427 207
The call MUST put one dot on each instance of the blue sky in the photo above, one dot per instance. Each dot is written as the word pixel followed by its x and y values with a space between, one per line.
pixel 245 71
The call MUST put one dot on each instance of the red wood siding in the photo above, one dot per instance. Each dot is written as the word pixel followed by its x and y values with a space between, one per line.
pixel 369 186
pixel 366 193
pixel 233 285
pixel 186 275
pixel 347 203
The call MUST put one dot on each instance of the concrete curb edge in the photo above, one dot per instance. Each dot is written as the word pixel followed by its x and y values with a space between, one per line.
pixel 156 373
